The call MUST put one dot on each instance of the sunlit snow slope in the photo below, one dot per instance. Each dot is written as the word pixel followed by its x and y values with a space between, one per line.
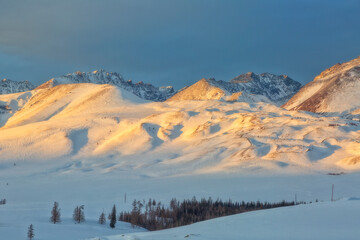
pixel 335 90
pixel 89 127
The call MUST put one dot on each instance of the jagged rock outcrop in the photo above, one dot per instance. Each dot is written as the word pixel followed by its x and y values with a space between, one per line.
pixel 250 87
pixel 8 86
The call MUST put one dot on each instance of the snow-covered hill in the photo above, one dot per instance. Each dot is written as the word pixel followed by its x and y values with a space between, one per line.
pixel 92 144
pixel 321 221
pixel 8 86
pixel 89 123
pixel 143 90
pixel 11 103
pixel 210 89
pixel 249 87
pixel 335 90
pixel 69 100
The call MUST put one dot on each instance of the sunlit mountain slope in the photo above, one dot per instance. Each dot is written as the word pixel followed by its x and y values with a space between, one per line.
pixel 101 127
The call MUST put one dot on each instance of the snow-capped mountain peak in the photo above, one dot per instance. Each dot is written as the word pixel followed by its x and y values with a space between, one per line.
pixel 8 86
pixel 278 88
pixel 140 89
pixel 265 87
pixel 335 90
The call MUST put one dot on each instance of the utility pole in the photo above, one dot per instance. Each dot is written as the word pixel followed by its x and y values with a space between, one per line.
pixel 125 198
pixel 295 199
pixel 332 193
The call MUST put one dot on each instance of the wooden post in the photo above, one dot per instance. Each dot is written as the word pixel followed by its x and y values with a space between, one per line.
pixel 332 193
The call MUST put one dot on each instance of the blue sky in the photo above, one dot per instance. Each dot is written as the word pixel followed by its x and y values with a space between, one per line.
pixel 168 42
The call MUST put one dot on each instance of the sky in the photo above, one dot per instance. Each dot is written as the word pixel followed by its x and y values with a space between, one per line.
pixel 176 42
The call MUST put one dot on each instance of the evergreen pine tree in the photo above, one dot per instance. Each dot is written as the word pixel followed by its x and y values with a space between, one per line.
pixel 55 213
pixel 78 214
pixel 30 233
pixel 113 217
pixel 102 219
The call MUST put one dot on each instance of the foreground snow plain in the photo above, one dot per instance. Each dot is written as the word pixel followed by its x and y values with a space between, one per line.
pixel 85 144
pixel 316 221
pixel 30 200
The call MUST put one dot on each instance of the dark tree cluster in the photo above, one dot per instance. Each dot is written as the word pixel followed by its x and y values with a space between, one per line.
pixel 153 215
pixel 2 201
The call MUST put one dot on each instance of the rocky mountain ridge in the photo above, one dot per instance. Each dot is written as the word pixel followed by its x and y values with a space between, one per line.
pixel 8 86
pixel 250 87
pixel 335 90
pixel 265 87
pixel 143 90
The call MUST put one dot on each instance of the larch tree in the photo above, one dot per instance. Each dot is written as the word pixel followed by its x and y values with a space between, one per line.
pixel 78 214
pixel 55 213
pixel 30 233
pixel 102 219
pixel 113 217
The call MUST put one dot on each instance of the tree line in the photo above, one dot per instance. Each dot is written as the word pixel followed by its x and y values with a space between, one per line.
pixel 153 215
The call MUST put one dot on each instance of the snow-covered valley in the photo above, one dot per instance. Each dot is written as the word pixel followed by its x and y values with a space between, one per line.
pixel 30 199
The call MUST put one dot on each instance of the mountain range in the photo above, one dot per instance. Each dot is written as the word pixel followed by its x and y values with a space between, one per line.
pixel 143 90
pixel 246 87
pixel 8 86
pixel 249 87
pixel 90 121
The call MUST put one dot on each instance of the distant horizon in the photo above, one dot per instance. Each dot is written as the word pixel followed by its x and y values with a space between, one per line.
pixel 129 79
